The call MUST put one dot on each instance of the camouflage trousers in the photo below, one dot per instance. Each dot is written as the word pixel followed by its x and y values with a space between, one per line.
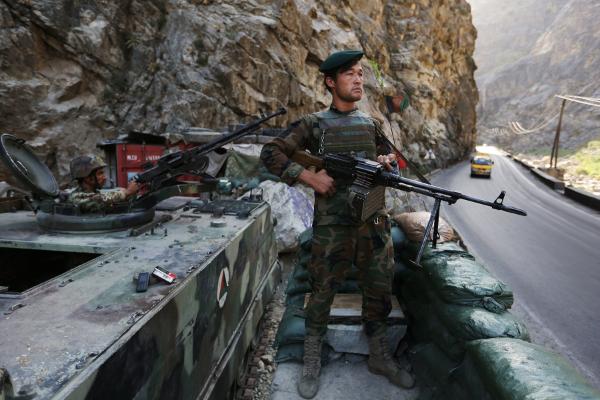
pixel 334 249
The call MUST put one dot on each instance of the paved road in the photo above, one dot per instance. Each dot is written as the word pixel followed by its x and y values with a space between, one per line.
pixel 551 258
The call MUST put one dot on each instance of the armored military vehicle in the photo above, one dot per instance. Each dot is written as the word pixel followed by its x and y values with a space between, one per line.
pixel 89 308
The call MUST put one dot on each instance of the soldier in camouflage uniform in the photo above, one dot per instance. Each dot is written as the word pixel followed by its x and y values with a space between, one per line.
pixel 88 171
pixel 339 240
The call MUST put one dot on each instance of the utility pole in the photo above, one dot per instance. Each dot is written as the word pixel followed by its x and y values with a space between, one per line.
pixel 555 145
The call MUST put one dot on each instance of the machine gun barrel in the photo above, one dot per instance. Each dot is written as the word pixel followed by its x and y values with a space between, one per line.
pixel 396 181
pixel 193 160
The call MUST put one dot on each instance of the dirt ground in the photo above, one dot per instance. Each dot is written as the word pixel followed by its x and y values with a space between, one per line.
pixel 260 369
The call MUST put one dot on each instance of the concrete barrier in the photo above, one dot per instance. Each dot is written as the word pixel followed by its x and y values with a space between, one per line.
pixel 578 195
pixel 548 180
pixel 523 163
pixel 583 197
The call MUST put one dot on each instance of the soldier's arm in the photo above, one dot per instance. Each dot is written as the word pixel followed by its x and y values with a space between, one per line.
pixel 96 202
pixel 276 154
pixel 87 202
pixel 276 157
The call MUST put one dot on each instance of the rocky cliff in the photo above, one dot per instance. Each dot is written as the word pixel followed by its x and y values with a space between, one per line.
pixel 75 72
pixel 530 50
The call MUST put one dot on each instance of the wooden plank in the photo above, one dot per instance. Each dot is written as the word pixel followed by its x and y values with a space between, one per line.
pixel 347 309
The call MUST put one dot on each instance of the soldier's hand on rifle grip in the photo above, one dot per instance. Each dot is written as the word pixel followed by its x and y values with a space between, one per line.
pixel 320 181
pixel 132 188
pixel 386 161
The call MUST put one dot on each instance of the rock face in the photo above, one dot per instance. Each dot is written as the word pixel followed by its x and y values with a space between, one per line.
pixel 73 73
pixel 530 50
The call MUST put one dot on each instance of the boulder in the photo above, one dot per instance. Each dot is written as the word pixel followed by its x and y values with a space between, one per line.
pixel 292 207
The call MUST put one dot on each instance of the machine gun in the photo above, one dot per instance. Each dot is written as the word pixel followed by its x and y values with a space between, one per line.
pixel 193 161
pixel 369 180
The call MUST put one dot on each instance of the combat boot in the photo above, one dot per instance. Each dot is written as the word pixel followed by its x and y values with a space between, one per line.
pixel 309 381
pixel 381 362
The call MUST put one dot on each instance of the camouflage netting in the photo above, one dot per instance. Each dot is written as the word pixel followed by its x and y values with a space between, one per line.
pixel 514 369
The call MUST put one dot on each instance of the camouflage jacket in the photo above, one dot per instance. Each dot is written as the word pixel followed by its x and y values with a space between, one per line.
pixel 92 202
pixel 307 134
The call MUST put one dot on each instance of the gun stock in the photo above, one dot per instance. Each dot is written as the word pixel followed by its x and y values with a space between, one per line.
pixel 307 160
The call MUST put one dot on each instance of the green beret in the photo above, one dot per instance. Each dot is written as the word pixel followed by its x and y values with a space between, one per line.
pixel 340 58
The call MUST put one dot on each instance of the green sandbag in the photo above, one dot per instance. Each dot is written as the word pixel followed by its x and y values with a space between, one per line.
pixel 398 238
pixel 401 274
pixel 300 273
pixel 291 328
pixel 305 240
pixel 290 352
pixel 290 337
pixel 432 365
pixel 461 324
pixel 470 323
pixel 295 287
pixel 462 280
pixel 442 249
pixel 296 300
pixel 304 258
pixel 507 369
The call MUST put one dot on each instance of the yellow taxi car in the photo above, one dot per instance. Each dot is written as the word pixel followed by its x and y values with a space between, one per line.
pixel 481 165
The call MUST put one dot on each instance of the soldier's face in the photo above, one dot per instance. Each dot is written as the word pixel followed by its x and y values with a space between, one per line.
pixel 100 177
pixel 348 85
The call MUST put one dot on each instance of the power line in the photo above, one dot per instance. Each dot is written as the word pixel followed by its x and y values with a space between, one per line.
pixel 581 100
pixel 517 128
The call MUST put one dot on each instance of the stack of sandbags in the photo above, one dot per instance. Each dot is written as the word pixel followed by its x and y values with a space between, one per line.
pixel 514 369
pixel 452 301
pixel 290 335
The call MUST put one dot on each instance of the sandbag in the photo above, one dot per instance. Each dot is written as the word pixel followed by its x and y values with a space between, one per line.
pixel 441 250
pixel 432 365
pixel 296 300
pixel 398 238
pixel 305 240
pixel 506 369
pixel 401 274
pixel 461 324
pixel 289 340
pixel 291 328
pixel 450 326
pixel 290 352
pixel 413 224
pixel 462 280
pixel 300 273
